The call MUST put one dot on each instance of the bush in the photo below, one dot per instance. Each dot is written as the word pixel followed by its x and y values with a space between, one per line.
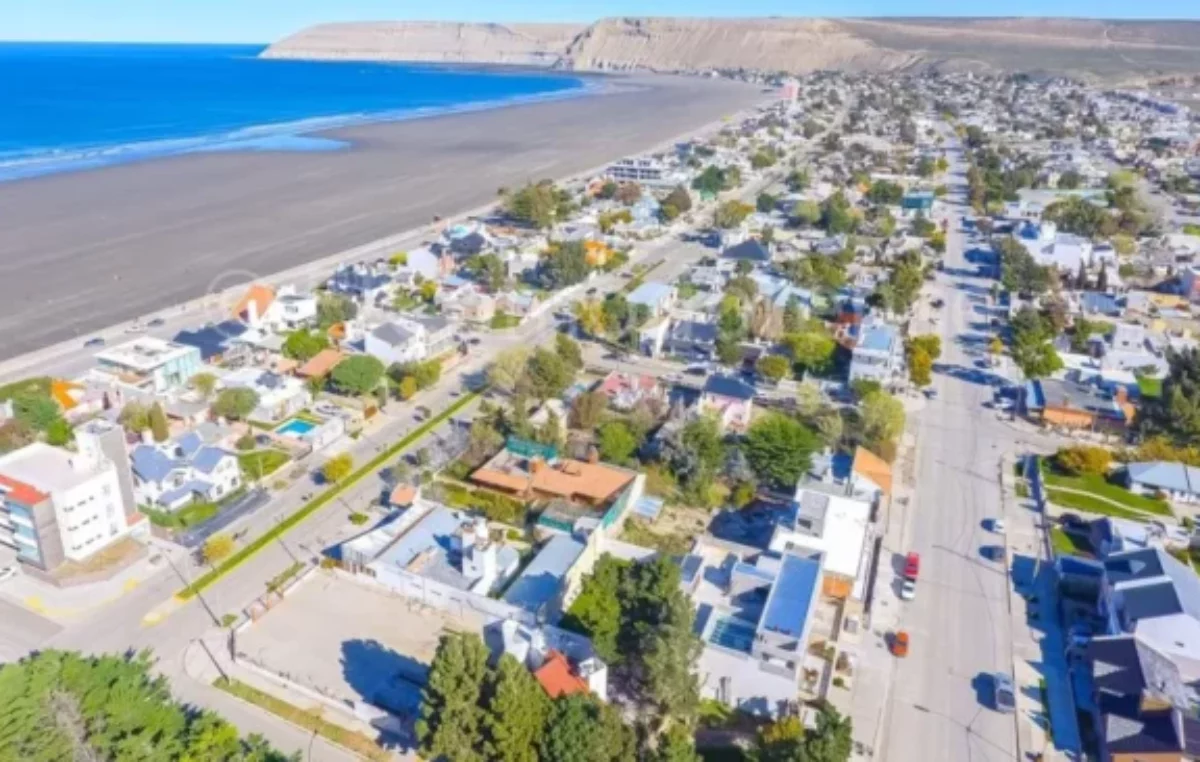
pixel 1083 460
pixel 246 442
pixel 358 519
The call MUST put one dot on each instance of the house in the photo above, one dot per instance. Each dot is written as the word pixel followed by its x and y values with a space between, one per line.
pixel 730 400
pixel 625 391
pixel 1148 593
pixel 537 477
pixel 1071 404
pixel 540 587
pixel 691 339
pixel 365 282
pixel 657 297
pixel 150 365
pixel 278 396
pixel 428 263
pixel 756 612
pixel 321 364
pixel 862 474
pixel 183 470
pixel 821 518
pixel 878 353
pixel 750 250
pixel 399 341
pixel 917 202
pixel 220 342
pixel 1063 251
pixel 283 309
pixel 1178 482
pixel 58 506
pixel 652 335
pixel 469 305
pixel 439 333
pixel 517 303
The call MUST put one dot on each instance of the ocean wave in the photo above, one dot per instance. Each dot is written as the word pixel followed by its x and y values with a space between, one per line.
pixel 280 136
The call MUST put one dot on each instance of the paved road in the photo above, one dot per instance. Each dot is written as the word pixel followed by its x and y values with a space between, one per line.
pixel 939 708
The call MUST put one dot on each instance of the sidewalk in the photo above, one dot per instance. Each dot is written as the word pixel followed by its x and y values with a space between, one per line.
pixel 1038 653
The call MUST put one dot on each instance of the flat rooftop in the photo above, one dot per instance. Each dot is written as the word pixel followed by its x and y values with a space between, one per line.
pixel 792 596
pixel 47 469
pixel 540 582
pixel 144 354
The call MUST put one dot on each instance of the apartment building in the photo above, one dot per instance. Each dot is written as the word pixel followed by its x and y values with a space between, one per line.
pixel 57 505
pixel 150 365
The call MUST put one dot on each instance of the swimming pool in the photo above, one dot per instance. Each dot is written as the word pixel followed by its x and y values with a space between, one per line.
pixel 296 427
pixel 732 633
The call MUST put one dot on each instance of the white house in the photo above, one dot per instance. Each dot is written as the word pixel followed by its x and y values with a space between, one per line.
pixel 878 353
pixel 1177 481
pixel 180 471
pixel 400 341
pixel 837 525
pixel 657 297
pixel 278 396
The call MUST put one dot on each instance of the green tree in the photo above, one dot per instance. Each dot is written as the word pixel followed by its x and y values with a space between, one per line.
pixel 507 370
pixel 234 404
pixel 568 351
pixel 303 345
pixel 134 417
pixel 357 374
pixel 36 410
pixel 920 367
pixel 617 443
pixel 516 710
pixel 806 213
pixel 158 423
pixel 882 418
pixel 452 718
pixel 711 181
pixel 812 349
pixel 407 388
pixel 204 383
pixel 773 367
pixel 791 315
pixel 565 265
pixel 797 180
pixel 488 270
pixel 1037 360
pixel 597 611
pixel 930 344
pixel 583 728
pixel 538 204
pixel 337 468
pixel 676 745
pixel 731 214
pixel 217 548
pixel 587 410
pixel 335 308
pixel 546 375
pixel 765 203
pixel 680 199
pixel 779 449
pixel 1176 412
pixel 58 434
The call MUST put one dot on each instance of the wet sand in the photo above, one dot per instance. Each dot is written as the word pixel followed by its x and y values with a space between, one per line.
pixel 83 251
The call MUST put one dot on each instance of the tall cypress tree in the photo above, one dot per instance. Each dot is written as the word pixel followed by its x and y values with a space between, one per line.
pixel 516 712
pixel 451 724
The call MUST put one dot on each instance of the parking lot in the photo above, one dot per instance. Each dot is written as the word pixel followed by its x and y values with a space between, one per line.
pixel 349 642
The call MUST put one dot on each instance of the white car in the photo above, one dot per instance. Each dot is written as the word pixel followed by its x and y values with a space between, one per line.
pixel 7 573
pixel 908 590
pixel 998 526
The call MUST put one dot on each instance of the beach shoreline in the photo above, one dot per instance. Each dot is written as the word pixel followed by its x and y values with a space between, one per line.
pixel 151 236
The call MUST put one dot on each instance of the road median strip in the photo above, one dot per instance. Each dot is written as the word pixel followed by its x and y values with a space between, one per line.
pixel 318 502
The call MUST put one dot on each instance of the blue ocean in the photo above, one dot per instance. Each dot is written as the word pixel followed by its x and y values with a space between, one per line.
pixel 65 107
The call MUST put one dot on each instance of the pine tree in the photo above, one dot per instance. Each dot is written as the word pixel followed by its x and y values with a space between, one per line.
pixel 158 424
pixel 451 723
pixel 516 713
pixel 1102 279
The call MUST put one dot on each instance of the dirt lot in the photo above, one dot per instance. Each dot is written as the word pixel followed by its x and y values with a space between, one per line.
pixel 349 642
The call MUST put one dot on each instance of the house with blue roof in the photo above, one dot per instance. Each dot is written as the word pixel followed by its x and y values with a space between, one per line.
pixel 655 296
pixel 180 471
pixel 878 353
pixel 1178 482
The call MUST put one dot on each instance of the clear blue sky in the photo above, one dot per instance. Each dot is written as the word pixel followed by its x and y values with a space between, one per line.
pixel 268 20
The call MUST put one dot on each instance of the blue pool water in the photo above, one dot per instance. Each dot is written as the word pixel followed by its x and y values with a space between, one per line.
pixel 296 428
pixel 732 633
pixel 71 106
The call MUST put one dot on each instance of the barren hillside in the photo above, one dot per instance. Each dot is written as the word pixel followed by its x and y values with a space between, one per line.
pixel 1086 48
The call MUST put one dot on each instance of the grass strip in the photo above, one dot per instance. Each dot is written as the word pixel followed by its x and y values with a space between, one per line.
pixel 1067 543
pixel 312 506
pixel 1098 486
pixel 307 719
pixel 1092 504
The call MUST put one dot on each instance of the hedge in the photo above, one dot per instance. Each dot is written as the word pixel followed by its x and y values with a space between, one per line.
pixel 244 554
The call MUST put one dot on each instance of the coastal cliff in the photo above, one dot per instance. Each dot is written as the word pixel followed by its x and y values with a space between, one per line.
pixel 1087 48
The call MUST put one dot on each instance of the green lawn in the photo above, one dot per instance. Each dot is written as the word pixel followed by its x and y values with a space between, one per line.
pixel 1098 486
pixel 1092 505
pixel 1069 544
pixel 196 513
pixel 39 385
pixel 261 463
pixel 1151 388
pixel 502 321
pixel 307 719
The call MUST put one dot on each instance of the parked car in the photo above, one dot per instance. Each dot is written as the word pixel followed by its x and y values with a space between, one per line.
pixel 1003 696
pixel 912 565
pixel 899 644
pixel 156 323
pixel 94 342
pixel 908 589
pixel 998 526
pixel 930 393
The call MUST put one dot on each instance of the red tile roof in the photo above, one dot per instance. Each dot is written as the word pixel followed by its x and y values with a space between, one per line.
pixel 556 677
pixel 20 491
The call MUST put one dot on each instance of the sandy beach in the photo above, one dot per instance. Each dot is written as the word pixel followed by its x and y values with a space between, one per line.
pixel 82 251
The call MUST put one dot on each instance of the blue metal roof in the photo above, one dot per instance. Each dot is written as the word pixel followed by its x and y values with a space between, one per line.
pixel 150 463
pixel 689 566
pixel 792 595
pixel 725 386
pixel 541 580
pixel 651 294
pixel 208 458
pixel 1161 474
